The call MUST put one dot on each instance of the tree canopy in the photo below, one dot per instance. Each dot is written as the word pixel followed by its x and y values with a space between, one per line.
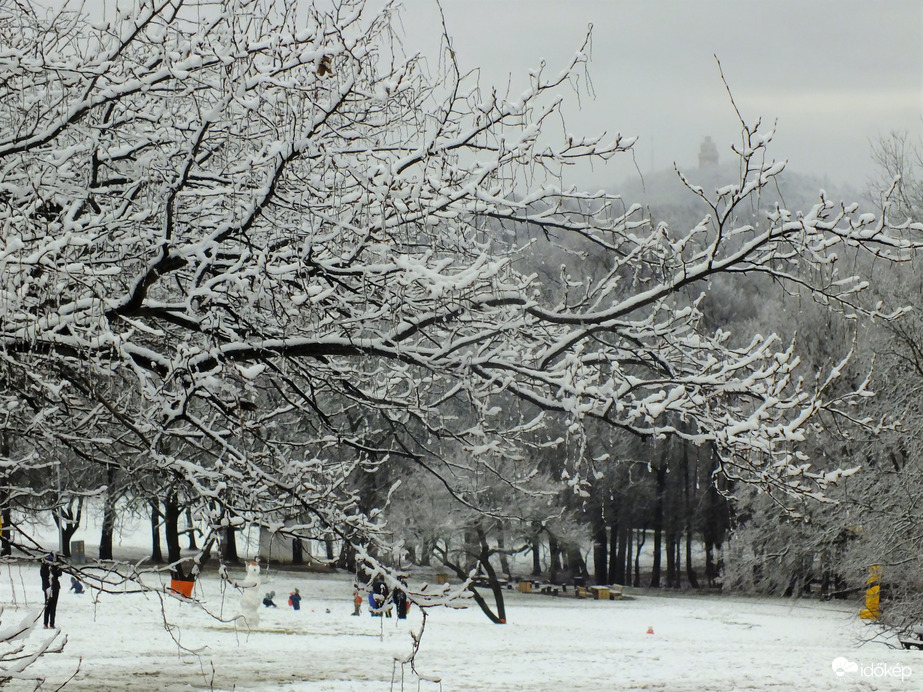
pixel 252 254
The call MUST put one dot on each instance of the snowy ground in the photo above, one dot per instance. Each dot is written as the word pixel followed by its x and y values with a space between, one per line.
pixel 119 642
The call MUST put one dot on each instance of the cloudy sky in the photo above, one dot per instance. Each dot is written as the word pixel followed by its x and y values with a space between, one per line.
pixel 834 74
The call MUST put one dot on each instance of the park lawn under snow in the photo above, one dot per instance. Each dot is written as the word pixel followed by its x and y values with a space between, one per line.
pixel 119 642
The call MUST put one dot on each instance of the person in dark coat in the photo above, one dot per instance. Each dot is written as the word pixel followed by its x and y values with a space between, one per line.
pixel 294 599
pixel 378 600
pixel 267 599
pixel 51 588
pixel 76 586
pixel 400 603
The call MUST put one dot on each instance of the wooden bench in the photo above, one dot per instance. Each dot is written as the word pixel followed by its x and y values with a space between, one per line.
pixel 538 587
pixel 600 592
pixel 483 582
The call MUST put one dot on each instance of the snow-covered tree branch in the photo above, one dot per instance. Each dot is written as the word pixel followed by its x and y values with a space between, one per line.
pixel 258 255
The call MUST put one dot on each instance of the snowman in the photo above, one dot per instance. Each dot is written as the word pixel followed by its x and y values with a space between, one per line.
pixel 250 596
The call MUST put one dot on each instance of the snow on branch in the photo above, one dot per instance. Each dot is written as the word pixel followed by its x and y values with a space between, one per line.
pixel 253 263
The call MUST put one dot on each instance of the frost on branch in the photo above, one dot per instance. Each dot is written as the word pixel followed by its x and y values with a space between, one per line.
pixel 254 261
pixel 21 645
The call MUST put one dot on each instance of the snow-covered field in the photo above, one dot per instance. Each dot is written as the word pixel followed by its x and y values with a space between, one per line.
pixel 120 642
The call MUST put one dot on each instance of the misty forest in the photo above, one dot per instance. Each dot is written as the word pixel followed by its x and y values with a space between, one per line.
pixel 263 271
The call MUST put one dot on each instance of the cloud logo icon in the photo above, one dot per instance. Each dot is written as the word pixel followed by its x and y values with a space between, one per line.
pixel 841 666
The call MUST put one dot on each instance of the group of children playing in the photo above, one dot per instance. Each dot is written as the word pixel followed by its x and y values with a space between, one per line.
pixel 379 603
pixel 382 601
pixel 294 599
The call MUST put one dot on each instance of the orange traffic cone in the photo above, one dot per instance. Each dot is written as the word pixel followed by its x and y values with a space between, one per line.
pixel 650 629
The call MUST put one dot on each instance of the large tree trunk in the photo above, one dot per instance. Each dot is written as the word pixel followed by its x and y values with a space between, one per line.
pixel 347 559
pixel 68 521
pixel 691 576
pixel 555 565
pixel 472 548
pixel 495 586
pixel 672 567
pixel 622 572
pixel 600 551
pixel 190 530
pixel 328 547
pixel 677 561
pixel 629 534
pixel 171 514
pixel 502 552
pixel 710 572
pixel 613 570
pixel 497 615
pixel 426 553
pixel 536 550
pixel 688 505
pixel 297 551
pixel 156 552
pixel 108 525
pixel 715 524
pixel 642 538
pixel 229 546
pixel 661 476
pixel 576 565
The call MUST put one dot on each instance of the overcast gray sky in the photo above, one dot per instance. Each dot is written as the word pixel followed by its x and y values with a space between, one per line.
pixel 835 74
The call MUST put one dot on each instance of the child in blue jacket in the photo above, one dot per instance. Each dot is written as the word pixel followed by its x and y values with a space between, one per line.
pixel 294 600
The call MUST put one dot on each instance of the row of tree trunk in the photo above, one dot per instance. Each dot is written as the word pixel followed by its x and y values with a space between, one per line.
pixel 674 501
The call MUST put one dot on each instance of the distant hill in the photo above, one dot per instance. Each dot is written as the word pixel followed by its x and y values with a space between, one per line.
pixel 663 193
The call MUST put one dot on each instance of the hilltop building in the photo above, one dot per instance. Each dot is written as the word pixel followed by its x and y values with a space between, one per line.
pixel 708 153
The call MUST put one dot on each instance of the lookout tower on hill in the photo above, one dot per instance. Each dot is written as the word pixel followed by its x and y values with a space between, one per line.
pixel 708 153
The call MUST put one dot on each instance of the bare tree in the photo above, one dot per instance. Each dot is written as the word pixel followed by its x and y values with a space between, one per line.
pixel 899 157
